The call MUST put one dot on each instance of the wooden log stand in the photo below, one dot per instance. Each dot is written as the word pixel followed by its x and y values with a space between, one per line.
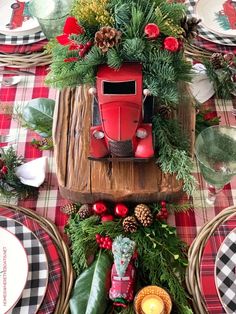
pixel 86 181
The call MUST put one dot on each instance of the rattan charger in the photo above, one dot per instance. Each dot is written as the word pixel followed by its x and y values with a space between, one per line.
pixel 62 306
pixel 25 60
pixel 194 258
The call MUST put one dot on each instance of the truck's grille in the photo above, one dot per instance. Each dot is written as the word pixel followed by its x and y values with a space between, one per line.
pixel 121 148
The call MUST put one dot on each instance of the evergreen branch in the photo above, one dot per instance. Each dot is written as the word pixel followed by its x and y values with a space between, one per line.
pixel 173 159
pixel 221 79
pixel 10 184
pixel 114 59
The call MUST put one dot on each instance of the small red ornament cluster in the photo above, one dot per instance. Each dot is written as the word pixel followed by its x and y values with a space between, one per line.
pixel 101 209
pixel 170 43
pixel 104 242
pixel 163 213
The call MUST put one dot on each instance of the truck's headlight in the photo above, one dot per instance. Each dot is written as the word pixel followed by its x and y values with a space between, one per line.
pixel 141 133
pixel 98 135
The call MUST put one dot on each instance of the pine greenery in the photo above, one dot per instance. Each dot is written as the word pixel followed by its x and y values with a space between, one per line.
pixel 221 78
pixel 172 148
pixel 10 184
pixel 162 69
pixel 161 254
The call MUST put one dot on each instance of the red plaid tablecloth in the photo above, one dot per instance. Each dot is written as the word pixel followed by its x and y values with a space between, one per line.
pixel 49 201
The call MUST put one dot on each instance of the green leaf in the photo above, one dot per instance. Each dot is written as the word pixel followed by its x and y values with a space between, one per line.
pixel 91 288
pixel 38 116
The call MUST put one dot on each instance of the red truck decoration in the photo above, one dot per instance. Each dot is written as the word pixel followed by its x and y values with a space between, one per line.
pixel 227 16
pixel 120 131
pixel 19 15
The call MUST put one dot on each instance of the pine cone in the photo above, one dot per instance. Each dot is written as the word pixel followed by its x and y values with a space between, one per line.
pixel 190 27
pixel 130 224
pixel 143 214
pixel 164 112
pixel 217 60
pixel 85 211
pixel 107 37
pixel 69 209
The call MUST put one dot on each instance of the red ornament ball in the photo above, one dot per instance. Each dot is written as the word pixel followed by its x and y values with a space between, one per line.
pixel 171 44
pixel 163 203
pixel 121 210
pixel 4 170
pixel 152 31
pixel 106 218
pixel 99 208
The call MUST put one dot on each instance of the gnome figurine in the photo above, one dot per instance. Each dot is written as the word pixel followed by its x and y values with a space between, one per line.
pixel 123 271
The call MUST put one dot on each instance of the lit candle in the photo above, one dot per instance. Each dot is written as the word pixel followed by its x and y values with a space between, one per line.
pixel 152 304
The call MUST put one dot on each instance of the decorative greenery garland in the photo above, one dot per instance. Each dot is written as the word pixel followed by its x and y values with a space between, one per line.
pixel 161 254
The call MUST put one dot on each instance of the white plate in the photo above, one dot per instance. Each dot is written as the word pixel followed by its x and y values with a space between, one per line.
pixel 37 280
pixel 15 19
pixel 12 281
pixel 219 16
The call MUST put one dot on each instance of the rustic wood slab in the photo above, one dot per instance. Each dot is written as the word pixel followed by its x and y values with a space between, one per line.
pixel 83 180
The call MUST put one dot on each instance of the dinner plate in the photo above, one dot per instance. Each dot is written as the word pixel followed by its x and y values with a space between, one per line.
pixel 207 266
pixel 225 276
pixel 36 285
pixel 219 16
pixel 54 264
pixel 12 281
pixel 209 28
pixel 15 18
pixel 21 40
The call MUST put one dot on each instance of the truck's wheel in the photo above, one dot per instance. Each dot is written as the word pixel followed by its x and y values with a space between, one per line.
pixel 15 6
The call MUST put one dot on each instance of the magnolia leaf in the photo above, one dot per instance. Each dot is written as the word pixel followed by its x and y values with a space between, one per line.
pixel 38 115
pixel 91 288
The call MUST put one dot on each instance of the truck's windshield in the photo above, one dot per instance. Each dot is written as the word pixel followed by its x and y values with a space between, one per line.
pixel 118 88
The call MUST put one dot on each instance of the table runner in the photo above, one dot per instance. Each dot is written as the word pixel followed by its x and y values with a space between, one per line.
pixel 49 201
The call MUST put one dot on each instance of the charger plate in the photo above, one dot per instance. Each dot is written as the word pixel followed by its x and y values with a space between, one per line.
pixel 54 265
pixel 36 285
pixel 68 275
pixel 194 281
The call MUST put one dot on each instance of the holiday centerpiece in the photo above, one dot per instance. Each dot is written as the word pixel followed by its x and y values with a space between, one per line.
pixel 127 259
pixel 131 55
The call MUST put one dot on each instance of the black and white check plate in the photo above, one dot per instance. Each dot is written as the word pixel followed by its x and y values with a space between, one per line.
pixel 225 276
pixel 204 32
pixel 21 40
pixel 36 284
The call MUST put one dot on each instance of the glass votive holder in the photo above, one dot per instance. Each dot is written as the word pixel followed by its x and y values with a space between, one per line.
pixel 51 15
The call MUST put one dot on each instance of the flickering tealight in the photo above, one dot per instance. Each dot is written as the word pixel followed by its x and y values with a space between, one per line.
pixel 152 304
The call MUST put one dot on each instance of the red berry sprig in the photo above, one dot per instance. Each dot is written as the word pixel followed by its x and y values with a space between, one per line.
pixel 104 242
pixel 163 213
pixel 83 49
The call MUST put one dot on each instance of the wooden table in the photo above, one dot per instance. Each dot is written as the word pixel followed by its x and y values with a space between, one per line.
pixel 83 180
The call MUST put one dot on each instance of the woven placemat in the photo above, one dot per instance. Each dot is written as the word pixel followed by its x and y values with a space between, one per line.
pixel 194 258
pixel 25 60
pixel 63 251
